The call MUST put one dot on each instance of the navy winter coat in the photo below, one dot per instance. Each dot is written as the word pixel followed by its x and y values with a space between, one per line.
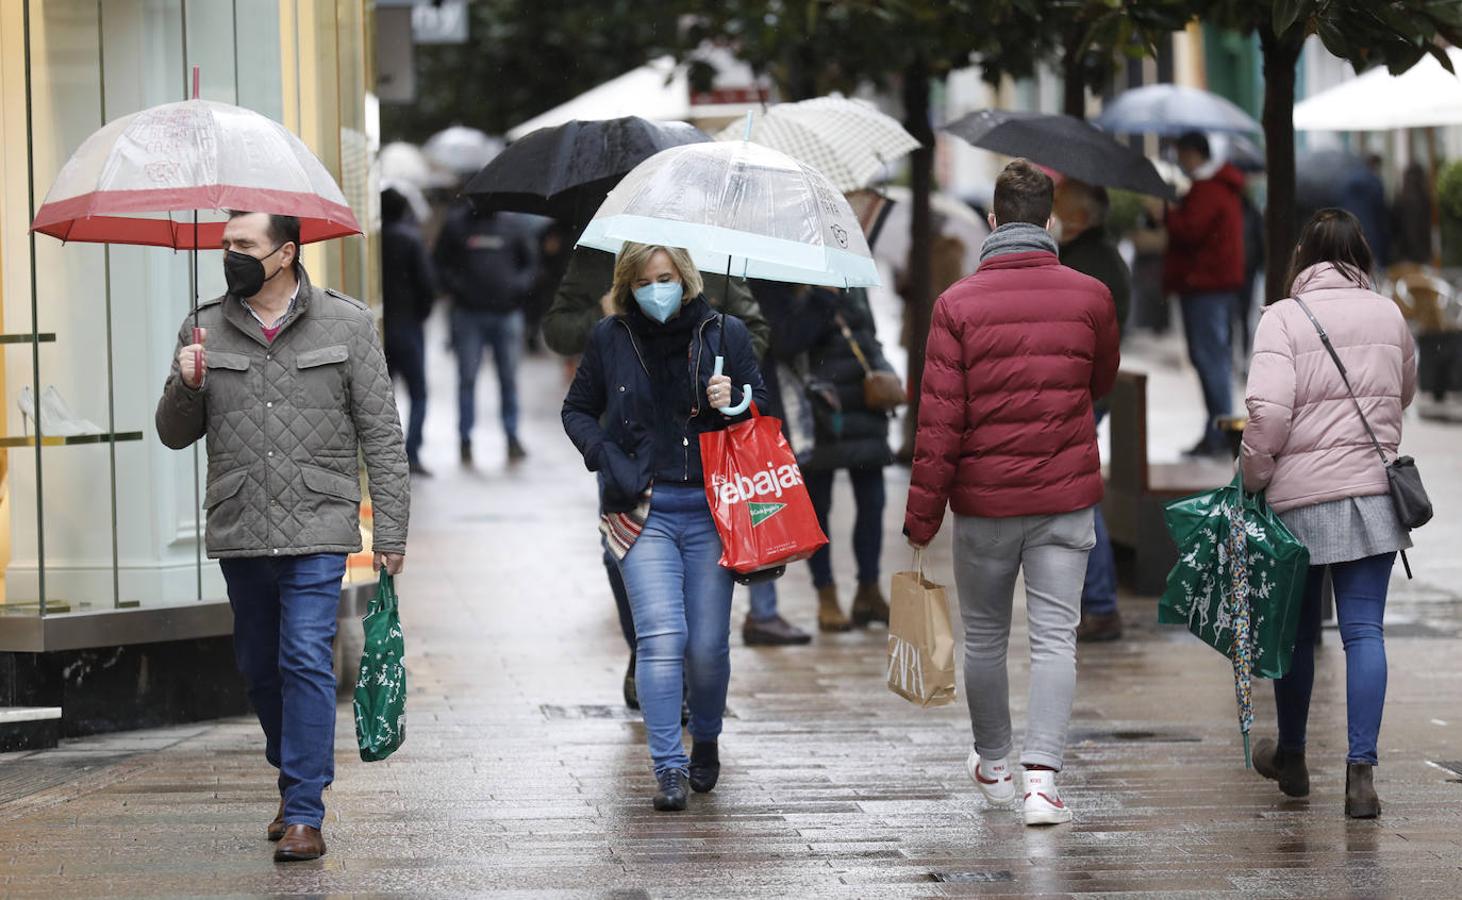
pixel 611 416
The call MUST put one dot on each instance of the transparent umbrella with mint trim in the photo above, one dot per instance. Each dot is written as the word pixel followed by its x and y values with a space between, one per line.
pixel 739 209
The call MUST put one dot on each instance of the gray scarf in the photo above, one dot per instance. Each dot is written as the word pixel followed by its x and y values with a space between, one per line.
pixel 1017 237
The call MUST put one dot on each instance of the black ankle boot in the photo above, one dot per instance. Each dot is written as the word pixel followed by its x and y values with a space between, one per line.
pixel 1361 801
pixel 705 766
pixel 672 796
pixel 1284 766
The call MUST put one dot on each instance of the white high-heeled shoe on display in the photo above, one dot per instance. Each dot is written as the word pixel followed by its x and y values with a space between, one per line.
pixel 60 422
pixel 54 408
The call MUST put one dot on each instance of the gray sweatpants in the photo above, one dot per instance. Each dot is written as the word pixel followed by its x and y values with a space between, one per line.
pixel 988 555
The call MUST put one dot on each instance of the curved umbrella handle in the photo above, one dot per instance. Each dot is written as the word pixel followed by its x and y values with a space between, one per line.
pixel 745 403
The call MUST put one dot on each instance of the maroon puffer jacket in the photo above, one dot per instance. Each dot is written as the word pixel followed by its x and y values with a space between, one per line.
pixel 1206 236
pixel 1016 354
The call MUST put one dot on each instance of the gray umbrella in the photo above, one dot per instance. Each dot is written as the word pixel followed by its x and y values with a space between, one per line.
pixel 1171 110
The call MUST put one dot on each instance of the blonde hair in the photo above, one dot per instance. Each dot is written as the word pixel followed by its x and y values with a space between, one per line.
pixel 633 257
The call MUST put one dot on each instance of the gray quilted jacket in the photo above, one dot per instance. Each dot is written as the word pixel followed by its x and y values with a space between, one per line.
pixel 285 424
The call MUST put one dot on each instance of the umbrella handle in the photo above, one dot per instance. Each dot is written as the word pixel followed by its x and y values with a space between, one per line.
pixel 198 354
pixel 745 403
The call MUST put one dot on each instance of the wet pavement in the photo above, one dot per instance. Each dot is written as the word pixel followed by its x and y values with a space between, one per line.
pixel 523 775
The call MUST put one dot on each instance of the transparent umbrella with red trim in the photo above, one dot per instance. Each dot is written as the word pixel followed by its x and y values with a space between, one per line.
pixel 126 182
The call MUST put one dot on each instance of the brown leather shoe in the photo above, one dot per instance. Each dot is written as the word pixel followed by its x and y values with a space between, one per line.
pixel 300 842
pixel 1096 628
pixel 276 828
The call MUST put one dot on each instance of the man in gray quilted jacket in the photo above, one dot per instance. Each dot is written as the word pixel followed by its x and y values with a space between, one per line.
pixel 288 383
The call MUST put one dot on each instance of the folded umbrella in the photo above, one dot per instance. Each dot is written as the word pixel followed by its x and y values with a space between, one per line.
pixel 1071 146
pixel 566 171
pixel 1238 585
pixel 849 141
pixel 740 209
pixel 1171 110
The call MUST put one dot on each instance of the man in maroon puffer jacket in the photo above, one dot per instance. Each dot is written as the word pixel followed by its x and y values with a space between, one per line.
pixel 1017 353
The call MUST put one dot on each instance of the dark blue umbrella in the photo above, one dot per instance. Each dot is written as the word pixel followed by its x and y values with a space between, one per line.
pixel 1069 145
pixel 1171 110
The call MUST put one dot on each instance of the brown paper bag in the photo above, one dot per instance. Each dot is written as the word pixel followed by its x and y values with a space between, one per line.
pixel 920 640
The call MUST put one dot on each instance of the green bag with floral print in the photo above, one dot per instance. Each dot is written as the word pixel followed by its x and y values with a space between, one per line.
pixel 380 689
pixel 1205 585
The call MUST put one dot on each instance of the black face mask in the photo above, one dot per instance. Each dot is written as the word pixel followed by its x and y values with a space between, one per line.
pixel 245 274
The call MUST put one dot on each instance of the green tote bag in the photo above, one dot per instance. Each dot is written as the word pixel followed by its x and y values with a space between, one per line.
pixel 380 690
pixel 1202 587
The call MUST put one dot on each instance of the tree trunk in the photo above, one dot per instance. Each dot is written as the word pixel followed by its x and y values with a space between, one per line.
pixel 918 288
pixel 1281 56
pixel 1073 76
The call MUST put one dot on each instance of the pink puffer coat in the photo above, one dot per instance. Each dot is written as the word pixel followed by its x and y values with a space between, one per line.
pixel 1305 443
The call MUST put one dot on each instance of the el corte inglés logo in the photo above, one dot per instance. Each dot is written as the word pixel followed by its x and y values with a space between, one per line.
pixel 760 512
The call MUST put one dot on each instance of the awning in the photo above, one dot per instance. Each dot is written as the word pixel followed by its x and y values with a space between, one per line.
pixel 659 90
pixel 1424 96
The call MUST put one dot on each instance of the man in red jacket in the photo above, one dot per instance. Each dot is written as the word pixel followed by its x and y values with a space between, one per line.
pixel 1017 353
pixel 1205 268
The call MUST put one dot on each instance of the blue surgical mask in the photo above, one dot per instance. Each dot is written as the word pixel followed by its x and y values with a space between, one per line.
pixel 660 299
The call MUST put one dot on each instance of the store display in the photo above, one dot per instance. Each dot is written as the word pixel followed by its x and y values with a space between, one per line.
pixel 60 421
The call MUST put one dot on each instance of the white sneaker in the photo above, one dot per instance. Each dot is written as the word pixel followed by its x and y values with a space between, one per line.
pixel 993 777
pixel 1043 805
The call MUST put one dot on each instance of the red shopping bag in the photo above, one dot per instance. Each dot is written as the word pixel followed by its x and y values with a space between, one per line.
pixel 757 496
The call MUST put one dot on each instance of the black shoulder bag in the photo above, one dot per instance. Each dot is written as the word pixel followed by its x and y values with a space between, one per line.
pixel 1413 507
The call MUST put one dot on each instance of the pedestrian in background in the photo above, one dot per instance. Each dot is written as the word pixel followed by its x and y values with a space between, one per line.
pixel 408 292
pixel 1080 211
pixel 1307 447
pixel 1205 268
pixel 828 337
pixel 1411 218
pixel 1007 438
pixel 488 264
pixel 643 394
pixel 289 385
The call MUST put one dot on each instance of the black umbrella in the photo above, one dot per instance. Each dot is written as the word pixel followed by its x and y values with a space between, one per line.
pixel 1071 146
pixel 566 171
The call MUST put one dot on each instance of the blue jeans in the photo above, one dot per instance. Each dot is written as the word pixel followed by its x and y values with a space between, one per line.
pixel 1208 326
pixel 1360 602
pixel 763 600
pixel 406 359
pixel 681 599
pixel 868 498
pixel 473 332
pixel 1099 594
pixel 284 627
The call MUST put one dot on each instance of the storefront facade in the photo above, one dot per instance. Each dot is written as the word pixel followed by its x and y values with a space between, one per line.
pixel 98 533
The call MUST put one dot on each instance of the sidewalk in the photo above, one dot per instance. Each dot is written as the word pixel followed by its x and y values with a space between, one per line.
pixel 523 775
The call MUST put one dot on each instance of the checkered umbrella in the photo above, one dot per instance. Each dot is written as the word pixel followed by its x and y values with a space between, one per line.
pixel 849 141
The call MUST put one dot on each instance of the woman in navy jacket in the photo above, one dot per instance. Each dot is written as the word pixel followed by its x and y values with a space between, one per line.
pixel 643 395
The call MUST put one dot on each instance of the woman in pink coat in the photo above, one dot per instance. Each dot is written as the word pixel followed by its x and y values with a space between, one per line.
pixel 1308 449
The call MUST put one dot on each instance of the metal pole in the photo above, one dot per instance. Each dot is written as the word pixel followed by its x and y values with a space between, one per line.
pixel 35 330
pixel 111 370
pixel 197 487
pixel 193 280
